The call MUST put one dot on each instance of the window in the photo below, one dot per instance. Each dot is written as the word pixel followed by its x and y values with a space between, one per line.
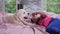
pixel 34 5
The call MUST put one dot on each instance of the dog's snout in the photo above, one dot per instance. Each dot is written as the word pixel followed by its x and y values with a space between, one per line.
pixel 25 17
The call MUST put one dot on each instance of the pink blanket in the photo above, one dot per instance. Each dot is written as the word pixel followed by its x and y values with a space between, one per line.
pixel 6 28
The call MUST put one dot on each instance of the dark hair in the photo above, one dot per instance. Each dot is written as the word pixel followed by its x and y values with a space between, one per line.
pixel 36 21
pixel 43 15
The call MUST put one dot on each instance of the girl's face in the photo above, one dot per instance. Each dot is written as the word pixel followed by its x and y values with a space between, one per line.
pixel 35 17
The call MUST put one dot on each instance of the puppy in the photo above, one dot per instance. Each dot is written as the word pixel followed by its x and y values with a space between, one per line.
pixel 17 18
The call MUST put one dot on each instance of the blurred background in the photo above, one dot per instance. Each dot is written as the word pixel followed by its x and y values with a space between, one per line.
pixel 11 6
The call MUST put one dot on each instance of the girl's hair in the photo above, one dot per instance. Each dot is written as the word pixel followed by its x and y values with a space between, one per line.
pixel 43 15
pixel 35 22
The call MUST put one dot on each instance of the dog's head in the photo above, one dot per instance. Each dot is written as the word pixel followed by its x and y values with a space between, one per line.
pixel 22 14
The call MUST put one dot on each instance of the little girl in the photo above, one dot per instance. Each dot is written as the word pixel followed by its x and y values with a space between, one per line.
pixel 52 24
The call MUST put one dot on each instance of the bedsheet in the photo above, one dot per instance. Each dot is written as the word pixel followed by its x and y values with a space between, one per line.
pixel 6 28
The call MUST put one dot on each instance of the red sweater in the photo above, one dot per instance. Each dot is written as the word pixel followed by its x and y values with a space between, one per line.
pixel 45 21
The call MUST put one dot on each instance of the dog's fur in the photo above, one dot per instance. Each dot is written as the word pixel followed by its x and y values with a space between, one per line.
pixel 17 18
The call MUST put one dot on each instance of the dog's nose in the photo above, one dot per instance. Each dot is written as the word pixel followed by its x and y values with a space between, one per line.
pixel 28 13
pixel 25 17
